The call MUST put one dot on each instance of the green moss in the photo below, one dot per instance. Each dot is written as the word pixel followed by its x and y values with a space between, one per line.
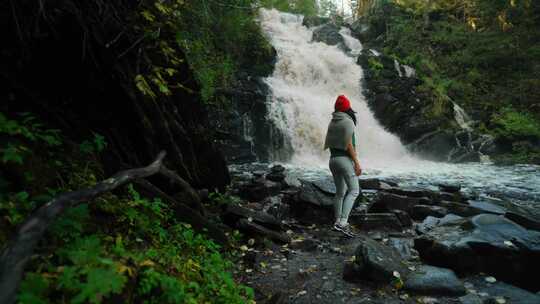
pixel 512 124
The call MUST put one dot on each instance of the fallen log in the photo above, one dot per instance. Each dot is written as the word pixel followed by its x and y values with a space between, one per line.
pixel 189 193
pixel 234 213
pixel 248 226
pixel 18 250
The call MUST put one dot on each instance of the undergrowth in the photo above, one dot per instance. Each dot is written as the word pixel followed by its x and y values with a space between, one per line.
pixel 120 248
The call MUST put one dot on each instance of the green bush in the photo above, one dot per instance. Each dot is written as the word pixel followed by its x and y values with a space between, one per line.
pixel 512 124
pixel 140 254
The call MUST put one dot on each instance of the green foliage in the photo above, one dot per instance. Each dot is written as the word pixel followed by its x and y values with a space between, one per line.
pixel 140 242
pixel 221 199
pixel 213 36
pixel 375 65
pixel 512 124
pixel 304 7
pixel 34 289
pixel 480 53
pixel 327 8
pixel 97 144
pixel 23 131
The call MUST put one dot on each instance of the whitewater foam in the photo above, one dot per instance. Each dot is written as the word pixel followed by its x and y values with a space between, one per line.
pixel 308 77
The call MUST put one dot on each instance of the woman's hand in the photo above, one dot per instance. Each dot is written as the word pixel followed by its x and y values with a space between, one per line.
pixel 357 169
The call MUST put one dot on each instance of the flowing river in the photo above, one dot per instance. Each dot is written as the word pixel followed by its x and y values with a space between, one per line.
pixel 307 78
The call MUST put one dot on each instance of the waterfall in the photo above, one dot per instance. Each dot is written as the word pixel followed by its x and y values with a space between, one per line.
pixel 308 77
pixel 461 117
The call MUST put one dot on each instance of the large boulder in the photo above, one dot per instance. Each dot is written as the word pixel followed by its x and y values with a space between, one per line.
pixel 432 280
pixel 375 184
pixel 259 189
pixel 493 291
pixel 420 212
pixel 375 262
pixel 484 243
pixel 311 21
pixel 329 34
pixel 376 221
pixel 386 202
pixel 431 222
pixel 311 205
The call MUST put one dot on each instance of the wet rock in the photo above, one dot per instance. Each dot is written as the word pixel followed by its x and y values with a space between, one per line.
pixel 276 177
pixel 311 21
pixel 277 174
pixel 252 228
pixel 385 202
pixel 404 246
pixel 449 196
pixel 326 185
pixel 435 145
pixel 420 212
pixel 376 221
pixel 275 207
pixel 277 298
pixel 511 294
pixel 307 245
pixel 461 209
pixel 413 192
pixel 376 262
pixel 452 188
pixel 484 243
pixel 431 222
pixel 329 34
pixel 233 213
pixel 471 299
pixel 487 207
pixel 312 194
pixel 291 181
pixel 259 189
pixel 311 205
pixel 430 280
pixel 375 184
pixel 403 218
pixel 252 259
pixel 523 221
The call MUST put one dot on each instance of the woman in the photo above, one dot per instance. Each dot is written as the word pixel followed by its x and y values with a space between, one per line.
pixel 344 163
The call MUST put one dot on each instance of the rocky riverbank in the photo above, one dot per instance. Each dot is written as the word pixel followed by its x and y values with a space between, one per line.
pixel 413 245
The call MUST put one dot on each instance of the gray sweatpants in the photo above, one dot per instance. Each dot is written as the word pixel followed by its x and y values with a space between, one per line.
pixel 342 168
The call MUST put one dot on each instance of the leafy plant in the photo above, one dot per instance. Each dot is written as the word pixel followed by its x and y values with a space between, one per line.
pixel 375 65
pixel 220 199
pixel 511 123
pixel 97 144
pixel 21 131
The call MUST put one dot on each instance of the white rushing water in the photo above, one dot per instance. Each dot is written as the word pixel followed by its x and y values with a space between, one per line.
pixel 308 77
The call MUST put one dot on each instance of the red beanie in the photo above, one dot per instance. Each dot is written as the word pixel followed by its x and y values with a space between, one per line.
pixel 342 104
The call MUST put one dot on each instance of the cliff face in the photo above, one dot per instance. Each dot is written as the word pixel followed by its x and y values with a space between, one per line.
pixel 460 72
pixel 74 67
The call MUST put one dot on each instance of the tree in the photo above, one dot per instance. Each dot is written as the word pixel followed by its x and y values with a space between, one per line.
pixel 327 8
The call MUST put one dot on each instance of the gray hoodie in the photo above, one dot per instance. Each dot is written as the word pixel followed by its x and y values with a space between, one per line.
pixel 340 131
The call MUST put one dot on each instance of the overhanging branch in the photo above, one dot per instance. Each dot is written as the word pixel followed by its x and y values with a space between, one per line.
pixel 18 250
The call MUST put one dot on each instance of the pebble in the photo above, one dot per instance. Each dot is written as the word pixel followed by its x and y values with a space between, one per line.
pixel 428 300
pixel 491 280
pixel 500 300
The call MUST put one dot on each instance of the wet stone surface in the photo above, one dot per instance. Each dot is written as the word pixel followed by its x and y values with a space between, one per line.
pixel 321 265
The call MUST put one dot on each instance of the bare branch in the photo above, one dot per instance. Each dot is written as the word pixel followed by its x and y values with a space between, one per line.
pixel 18 250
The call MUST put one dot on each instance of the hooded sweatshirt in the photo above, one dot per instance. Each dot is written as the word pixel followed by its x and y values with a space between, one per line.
pixel 340 132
